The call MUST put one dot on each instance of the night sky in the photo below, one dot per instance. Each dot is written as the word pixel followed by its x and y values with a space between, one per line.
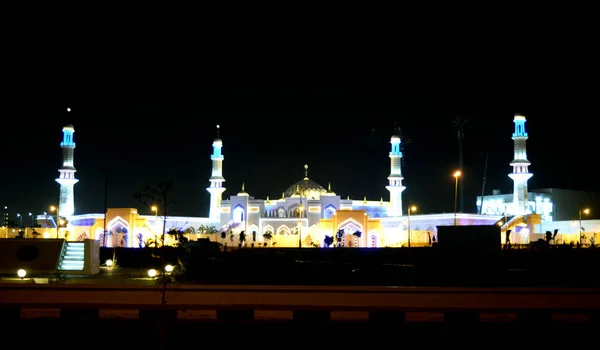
pixel 147 116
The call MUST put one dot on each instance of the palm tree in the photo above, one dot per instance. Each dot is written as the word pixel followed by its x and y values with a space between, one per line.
pixel 242 238
pixel 267 237
pixel 208 230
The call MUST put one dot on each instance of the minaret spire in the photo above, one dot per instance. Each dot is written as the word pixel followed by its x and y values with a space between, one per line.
pixel 395 178
pixel 216 188
pixel 305 172
pixel 66 178
pixel 520 165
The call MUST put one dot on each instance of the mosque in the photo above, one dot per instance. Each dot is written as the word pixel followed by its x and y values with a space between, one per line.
pixel 307 214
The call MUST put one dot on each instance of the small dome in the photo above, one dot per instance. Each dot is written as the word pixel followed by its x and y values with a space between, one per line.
pixel 329 191
pixel 243 191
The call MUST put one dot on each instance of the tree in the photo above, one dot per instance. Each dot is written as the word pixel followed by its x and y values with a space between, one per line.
pixel 328 240
pixel 162 195
pixel 242 238
pixel 267 237
pixel 209 230
pixel 179 236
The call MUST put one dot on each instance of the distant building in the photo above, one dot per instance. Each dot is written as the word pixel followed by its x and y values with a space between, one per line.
pixel 552 204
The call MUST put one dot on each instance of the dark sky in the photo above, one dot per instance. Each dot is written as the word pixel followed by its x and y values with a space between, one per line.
pixel 146 107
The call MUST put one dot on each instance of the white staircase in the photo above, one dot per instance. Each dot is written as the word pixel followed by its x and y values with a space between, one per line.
pixel 73 258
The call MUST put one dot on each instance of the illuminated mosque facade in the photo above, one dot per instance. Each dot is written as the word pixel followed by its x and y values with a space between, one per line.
pixel 307 214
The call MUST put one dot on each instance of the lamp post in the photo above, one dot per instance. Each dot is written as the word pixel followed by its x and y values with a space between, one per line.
pixel 20 217
pixel 31 216
pixel 300 208
pixel 154 208
pixel 52 209
pixel 585 211
pixel 456 175
pixel 410 209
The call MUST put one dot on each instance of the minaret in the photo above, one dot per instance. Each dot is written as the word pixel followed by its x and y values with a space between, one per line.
pixel 520 165
pixel 216 188
pixel 395 178
pixel 66 178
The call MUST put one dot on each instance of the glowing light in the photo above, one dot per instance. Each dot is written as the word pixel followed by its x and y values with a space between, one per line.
pixel 457 173
pixel 68 109
pixel 109 263
pixel 169 268
pixel 21 273
pixel 152 273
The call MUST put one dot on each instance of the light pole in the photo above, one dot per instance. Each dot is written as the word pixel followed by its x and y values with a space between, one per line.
pixel 585 211
pixel 20 219
pixel 300 208
pixel 410 208
pixel 31 216
pixel 154 208
pixel 456 176
pixel 52 209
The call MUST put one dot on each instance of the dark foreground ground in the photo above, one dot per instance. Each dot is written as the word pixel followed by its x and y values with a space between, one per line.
pixel 149 335
pixel 426 266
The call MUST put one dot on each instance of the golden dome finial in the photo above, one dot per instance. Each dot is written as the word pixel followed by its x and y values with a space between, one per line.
pixel 243 187
pixel 305 171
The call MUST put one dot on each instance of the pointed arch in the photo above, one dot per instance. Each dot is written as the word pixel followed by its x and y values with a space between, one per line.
pixel 281 212
pixel 350 226
pixel 283 230
pixel 251 228
pixel 268 228
pixel 329 210
pixel 238 213
pixel 119 232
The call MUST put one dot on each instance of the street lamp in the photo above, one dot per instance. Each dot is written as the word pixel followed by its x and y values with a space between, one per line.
pixel 31 215
pixel 20 219
pixel 154 208
pixel 585 211
pixel 300 208
pixel 52 209
pixel 456 175
pixel 410 209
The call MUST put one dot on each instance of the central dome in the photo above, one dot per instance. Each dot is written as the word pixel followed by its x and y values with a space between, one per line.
pixel 305 188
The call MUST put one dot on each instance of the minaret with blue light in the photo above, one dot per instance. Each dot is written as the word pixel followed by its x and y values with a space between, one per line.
pixel 66 178
pixel 216 188
pixel 520 166
pixel 395 178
